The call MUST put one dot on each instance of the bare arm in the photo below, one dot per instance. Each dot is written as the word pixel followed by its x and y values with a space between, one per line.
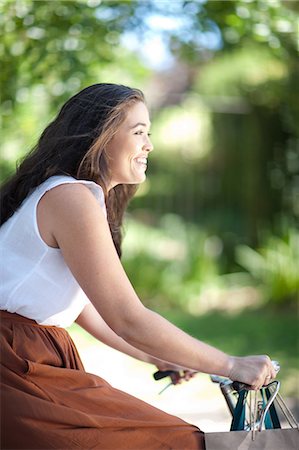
pixel 92 322
pixel 81 231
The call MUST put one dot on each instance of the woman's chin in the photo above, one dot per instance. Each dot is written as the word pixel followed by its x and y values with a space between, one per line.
pixel 139 176
pixel 139 180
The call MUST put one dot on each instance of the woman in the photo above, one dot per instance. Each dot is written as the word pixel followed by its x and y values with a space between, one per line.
pixel 60 234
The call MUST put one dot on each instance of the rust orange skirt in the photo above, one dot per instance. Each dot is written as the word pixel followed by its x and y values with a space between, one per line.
pixel 48 400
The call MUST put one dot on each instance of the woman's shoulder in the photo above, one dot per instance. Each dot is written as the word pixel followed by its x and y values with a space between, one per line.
pixel 57 180
pixel 67 195
pixel 64 204
pixel 69 187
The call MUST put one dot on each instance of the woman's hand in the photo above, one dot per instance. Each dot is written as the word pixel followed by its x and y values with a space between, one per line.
pixel 179 373
pixel 255 371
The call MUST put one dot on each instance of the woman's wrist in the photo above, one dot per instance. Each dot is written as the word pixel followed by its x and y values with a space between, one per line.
pixel 228 369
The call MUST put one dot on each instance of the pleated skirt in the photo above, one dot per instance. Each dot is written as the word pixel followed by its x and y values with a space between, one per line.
pixel 48 401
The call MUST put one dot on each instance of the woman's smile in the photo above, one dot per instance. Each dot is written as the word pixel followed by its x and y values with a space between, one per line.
pixel 141 161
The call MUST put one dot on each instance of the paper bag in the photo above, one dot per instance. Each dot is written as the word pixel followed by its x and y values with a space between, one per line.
pixel 278 439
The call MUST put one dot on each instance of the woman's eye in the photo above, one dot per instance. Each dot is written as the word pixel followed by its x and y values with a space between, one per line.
pixel 141 132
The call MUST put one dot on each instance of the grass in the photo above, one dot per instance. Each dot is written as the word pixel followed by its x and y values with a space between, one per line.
pixel 260 331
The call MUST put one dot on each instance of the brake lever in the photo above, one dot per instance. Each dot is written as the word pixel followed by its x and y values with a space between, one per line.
pixel 163 374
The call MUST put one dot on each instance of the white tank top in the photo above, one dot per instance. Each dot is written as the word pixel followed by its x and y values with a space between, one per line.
pixel 35 282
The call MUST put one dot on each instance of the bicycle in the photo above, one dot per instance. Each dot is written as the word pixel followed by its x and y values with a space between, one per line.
pixel 250 410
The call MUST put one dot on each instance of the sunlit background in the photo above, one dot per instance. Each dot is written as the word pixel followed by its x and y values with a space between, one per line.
pixel 211 239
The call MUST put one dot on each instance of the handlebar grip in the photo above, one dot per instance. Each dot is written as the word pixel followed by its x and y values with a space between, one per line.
pixel 238 386
pixel 163 374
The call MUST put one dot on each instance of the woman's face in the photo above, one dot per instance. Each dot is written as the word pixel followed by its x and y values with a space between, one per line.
pixel 129 148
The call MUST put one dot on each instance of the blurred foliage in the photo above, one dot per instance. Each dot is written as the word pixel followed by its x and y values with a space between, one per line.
pixel 272 24
pixel 61 44
pixel 274 267
pixel 170 264
pixel 64 44
pixel 175 264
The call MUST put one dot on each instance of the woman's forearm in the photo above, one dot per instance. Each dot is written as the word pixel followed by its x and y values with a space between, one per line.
pixel 153 334
pixel 93 323
pixel 149 341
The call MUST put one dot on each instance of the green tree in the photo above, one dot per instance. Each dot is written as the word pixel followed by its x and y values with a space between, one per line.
pixel 57 41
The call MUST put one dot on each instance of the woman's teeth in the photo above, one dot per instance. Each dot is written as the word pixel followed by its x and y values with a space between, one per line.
pixel 141 160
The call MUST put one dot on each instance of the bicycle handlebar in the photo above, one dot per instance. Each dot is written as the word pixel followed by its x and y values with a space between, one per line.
pixel 237 385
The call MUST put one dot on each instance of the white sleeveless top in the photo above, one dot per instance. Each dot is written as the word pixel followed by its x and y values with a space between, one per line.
pixel 35 281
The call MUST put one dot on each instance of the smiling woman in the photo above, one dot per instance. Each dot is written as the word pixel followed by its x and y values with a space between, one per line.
pixel 60 240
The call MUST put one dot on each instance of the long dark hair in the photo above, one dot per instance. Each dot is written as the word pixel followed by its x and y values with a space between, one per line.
pixel 74 144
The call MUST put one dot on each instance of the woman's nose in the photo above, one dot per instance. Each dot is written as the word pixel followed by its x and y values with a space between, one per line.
pixel 148 145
